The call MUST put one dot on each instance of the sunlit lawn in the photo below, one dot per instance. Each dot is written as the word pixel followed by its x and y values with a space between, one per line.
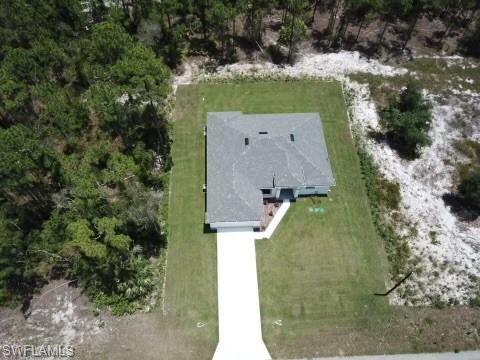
pixel 319 270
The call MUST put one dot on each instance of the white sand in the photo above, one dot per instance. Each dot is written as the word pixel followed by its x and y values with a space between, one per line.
pixel 445 248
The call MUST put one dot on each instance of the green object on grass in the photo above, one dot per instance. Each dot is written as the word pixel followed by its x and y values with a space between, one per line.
pixel 316 209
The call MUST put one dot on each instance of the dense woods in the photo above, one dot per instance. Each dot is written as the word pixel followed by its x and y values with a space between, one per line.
pixel 84 140
pixel 219 27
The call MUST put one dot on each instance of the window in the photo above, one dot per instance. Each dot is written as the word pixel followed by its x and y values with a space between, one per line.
pixel 263 132
pixel 309 187
pixel 247 141
pixel 292 137
pixel 266 191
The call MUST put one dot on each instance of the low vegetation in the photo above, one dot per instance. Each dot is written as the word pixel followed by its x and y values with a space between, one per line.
pixel 469 187
pixel 384 196
pixel 471 43
pixel 406 122
pixel 466 199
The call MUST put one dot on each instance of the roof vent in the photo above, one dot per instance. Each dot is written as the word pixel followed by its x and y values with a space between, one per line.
pixel 263 132
pixel 247 141
pixel 292 137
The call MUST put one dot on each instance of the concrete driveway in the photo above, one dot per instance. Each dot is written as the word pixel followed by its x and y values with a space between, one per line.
pixel 240 330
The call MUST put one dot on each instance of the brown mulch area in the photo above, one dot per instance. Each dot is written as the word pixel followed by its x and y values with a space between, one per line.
pixel 270 208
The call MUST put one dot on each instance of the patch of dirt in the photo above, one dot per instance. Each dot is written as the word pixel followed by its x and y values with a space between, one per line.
pixel 408 330
pixel 143 336
pixel 61 315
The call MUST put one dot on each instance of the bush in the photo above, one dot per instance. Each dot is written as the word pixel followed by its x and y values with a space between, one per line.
pixel 407 122
pixel 438 303
pixel 471 44
pixel 276 54
pixel 299 31
pixel 469 187
pixel 172 45
pixel 475 301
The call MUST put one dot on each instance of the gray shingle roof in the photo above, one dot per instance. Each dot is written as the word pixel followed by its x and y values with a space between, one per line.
pixel 236 172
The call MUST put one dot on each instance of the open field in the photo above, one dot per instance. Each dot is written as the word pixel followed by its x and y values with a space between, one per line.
pixel 318 271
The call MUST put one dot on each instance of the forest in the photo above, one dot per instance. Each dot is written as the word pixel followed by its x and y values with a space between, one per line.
pixel 84 121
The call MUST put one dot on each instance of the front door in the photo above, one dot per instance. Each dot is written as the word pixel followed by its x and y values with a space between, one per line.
pixel 285 194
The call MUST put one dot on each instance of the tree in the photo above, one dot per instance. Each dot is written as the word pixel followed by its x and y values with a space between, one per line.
pixel 102 262
pixel 23 22
pixel 471 43
pixel 142 75
pixel 172 45
pixel 219 15
pixel 352 9
pixel 83 144
pixel 294 28
pixel 390 10
pixel 12 266
pixel 291 33
pixel 109 41
pixel 27 168
pixel 60 113
pixel 414 12
pixel 333 6
pixel 407 122
pixel 255 11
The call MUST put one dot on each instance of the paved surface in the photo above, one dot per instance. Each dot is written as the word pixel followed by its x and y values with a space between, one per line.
pixel 464 355
pixel 240 331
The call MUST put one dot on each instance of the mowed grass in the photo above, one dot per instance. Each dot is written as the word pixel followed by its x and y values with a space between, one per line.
pixel 318 271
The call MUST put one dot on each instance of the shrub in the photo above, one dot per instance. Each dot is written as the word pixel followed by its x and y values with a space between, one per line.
pixel 407 122
pixel 276 54
pixel 438 303
pixel 471 44
pixel 469 187
pixel 475 301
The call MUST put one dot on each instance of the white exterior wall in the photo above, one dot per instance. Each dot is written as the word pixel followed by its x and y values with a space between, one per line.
pixel 301 191
pixel 314 190
pixel 235 224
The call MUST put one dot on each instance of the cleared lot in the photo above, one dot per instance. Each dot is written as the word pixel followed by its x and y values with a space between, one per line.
pixel 319 269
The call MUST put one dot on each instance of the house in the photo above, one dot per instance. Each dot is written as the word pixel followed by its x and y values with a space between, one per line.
pixel 252 157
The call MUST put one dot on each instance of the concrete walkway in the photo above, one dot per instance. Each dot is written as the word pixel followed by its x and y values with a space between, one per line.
pixel 282 210
pixel 240 328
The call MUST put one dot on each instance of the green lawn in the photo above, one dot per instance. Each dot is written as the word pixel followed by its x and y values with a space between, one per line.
pixel 318 271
